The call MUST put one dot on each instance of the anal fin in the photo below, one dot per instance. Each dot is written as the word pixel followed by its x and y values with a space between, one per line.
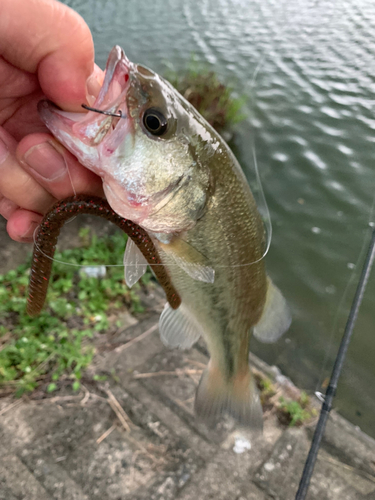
pixel 276 317
pixel 178 328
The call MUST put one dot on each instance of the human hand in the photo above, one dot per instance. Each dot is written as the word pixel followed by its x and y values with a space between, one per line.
pixel 46 50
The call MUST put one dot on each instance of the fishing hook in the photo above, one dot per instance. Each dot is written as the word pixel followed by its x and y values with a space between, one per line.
pixel 108 113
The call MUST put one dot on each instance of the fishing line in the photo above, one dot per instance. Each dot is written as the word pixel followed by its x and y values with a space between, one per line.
pixel 257 69
pixel 354 274
pixel 127 265
pixel 340 358
pixel 261 199
pixel 71 182
pixel 262 206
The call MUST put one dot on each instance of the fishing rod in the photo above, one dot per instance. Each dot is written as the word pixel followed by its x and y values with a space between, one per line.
pixel 332 386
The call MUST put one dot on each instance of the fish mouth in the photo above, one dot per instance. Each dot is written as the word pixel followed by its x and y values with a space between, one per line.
pixel 89 135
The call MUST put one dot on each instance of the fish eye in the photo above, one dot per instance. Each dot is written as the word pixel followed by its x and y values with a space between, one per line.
pixel 155 122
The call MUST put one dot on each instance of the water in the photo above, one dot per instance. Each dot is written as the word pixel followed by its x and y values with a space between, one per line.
pixel 306 68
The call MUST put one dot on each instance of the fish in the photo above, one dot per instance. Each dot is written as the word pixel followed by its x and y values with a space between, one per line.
pixel 166 169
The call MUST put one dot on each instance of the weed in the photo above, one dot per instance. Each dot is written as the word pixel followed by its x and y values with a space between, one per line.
pixel 212 99
pixel 56 343
pixel 296 412
pixel 267 387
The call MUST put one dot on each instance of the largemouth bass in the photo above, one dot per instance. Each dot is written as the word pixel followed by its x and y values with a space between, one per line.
pixel 166 169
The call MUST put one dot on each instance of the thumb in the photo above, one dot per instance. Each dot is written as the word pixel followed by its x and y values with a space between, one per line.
pixel 47 38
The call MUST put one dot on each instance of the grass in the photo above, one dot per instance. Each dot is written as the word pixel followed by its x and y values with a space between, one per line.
pixel 56 344
pixel 296 412
pixel 213 99
pixel 290 412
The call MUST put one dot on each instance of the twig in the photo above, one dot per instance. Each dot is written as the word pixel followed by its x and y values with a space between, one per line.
pixel 118 409
pixel 349 467
pixel 197 363
pixel 192 374
pixel 10 407
pixel 132 467
pixel 3 341
pixel 55 399
pixel 183 404
pixel 275 398
pixel 177 372
pixel 136 339
pixel 106 434
pixel 86 396
pixel 44 363
pixel 144 450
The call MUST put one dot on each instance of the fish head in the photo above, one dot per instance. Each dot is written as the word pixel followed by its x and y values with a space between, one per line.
pixel 152 152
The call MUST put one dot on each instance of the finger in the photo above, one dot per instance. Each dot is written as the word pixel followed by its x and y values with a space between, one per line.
pixel 52 40
pixel 18 186
pixel 55 168
pixel 22 224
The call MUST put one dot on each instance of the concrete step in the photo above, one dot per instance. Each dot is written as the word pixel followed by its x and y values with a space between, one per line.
pixel 17 482
pixel 279 476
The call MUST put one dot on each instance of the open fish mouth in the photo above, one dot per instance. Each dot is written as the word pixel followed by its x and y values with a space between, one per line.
pixel 82 132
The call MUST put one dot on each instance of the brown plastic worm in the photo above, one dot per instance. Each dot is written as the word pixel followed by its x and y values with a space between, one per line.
pixel 48 233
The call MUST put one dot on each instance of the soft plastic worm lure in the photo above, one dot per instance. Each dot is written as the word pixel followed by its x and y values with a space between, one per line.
pixel 48 233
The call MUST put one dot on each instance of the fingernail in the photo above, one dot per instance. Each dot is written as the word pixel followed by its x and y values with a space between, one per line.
pixel 46 161
pixel 4 151
pixel 92 89
pixel 29 233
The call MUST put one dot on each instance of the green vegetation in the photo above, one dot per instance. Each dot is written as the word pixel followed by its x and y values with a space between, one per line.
pixel 296 412
pixel 55 345
pixel 214 100
pixel 291 412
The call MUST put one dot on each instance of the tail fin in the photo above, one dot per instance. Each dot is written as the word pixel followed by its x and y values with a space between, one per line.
pixel 238 397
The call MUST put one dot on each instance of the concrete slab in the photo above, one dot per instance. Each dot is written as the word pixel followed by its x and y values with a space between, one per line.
pixel 349 445
pixel 124 359
pixel 57 431
pixel 214 482
pixel 17 482
pixel 279 476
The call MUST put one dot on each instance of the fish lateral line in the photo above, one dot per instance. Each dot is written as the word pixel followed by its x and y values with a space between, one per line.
pixel 49 231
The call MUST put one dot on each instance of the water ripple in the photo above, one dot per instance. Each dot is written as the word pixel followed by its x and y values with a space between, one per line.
pixel 315 160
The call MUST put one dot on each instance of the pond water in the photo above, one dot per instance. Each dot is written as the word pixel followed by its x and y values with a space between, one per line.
pixel 307 69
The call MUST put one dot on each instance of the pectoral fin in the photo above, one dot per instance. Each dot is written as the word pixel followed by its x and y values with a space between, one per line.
pixel 178 328
pixel 276 317
pixel 134 262
pixel 195 270
pixel 188 258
